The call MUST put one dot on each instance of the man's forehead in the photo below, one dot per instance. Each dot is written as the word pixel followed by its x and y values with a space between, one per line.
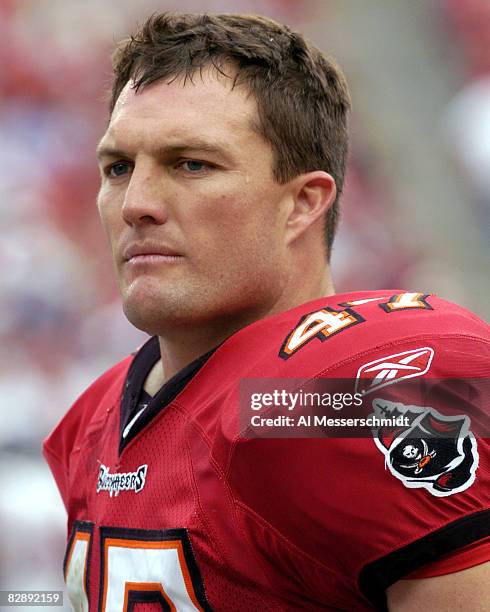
pixel 181 114
pixel 207 94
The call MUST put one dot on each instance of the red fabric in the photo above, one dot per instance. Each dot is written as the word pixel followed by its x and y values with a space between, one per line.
pixel 274 524
pixel 464 558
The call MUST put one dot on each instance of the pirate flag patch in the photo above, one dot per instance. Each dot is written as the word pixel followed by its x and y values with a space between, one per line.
pixel 429 450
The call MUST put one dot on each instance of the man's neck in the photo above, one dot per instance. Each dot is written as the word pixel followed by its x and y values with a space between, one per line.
pixel 190 342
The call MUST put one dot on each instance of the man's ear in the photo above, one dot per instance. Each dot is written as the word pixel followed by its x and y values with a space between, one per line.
pixel 313 194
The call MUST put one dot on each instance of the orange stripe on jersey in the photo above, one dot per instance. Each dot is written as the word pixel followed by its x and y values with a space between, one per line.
pixel 121 542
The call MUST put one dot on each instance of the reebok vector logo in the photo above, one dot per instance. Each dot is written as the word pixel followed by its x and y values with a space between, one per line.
pixel 389 370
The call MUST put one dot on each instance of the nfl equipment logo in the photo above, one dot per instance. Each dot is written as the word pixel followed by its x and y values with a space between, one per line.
pixel 392 369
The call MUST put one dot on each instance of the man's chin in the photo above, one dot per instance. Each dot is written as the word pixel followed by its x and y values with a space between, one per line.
pixel 155 313
pixel 147 319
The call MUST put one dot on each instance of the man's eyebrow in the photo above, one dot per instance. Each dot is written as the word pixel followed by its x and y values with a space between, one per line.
pixel 192 144
pixel 195 144
pixel 108 151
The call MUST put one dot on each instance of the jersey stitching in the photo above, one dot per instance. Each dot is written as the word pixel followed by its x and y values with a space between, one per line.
pixel 54 455
pixel 216 538
pixel 220 474
pixel 286 542
pixel 237 503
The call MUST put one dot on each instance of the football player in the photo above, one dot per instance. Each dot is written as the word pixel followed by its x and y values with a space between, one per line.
pixel 221 171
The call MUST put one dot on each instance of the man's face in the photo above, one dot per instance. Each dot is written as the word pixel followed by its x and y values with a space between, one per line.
pixel 194 216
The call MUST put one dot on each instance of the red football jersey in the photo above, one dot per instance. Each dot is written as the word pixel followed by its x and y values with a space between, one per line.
pixel 198 511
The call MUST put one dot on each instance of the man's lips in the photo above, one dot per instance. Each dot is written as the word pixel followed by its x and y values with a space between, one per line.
pixel 147 253
pixel 153 258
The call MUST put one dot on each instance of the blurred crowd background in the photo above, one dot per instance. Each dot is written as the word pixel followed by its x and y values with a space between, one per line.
pixel 415 211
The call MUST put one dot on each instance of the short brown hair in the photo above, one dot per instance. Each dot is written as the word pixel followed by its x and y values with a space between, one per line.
pixel 302 97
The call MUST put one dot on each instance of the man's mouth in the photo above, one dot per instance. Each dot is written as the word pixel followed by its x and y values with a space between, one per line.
pixel 147 252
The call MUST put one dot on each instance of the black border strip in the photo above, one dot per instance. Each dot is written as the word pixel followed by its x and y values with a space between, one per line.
pixel 377 576
pixel 80 527
pixel 156 535
pixel 141 366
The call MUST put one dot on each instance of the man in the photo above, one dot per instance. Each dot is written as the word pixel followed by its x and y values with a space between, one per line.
pixel 221 171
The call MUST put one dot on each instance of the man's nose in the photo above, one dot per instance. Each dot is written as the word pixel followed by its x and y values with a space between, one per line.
pixel 145 200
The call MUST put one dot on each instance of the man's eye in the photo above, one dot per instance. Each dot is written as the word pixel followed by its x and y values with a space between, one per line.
pixel 192 165
pixel 118 169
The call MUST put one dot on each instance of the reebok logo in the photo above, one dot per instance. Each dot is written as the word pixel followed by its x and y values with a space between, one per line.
pixel 389 370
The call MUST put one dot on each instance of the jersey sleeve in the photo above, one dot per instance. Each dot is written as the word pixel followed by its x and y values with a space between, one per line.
pixel 354 515
pixel 60 447
pixel 56 448
pixel 466 557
